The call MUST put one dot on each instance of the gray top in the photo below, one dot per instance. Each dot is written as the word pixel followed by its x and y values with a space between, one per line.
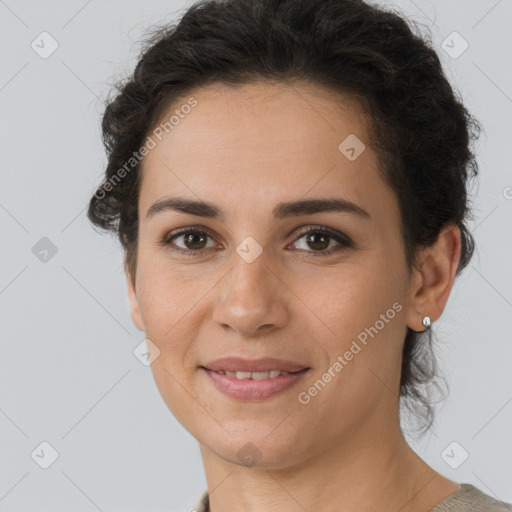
pixel 469 498
pixel 466 499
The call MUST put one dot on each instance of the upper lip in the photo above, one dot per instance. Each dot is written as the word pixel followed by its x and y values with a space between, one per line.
pixel 265 364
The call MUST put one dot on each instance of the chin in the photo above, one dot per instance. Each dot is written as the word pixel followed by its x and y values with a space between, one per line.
pixel 257 450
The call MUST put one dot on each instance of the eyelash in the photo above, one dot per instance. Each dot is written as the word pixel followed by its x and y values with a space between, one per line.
pixel 324 230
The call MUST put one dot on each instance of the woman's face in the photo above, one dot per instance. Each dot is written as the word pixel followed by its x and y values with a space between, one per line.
pixel 249 283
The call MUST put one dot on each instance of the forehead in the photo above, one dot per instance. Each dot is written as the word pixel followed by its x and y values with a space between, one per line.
pixel 262 142
pixel 269 113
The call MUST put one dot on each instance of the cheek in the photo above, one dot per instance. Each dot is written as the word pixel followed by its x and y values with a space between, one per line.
pixel 363 345
pixel 165 292
pixel 169 309
pixel 175 306
pixel 364 313
pixel 164 306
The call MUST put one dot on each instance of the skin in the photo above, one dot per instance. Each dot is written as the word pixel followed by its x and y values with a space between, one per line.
pixel 245 149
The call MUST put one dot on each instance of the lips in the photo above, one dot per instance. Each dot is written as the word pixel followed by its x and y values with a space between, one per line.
pixel 241 366
pixel 253 389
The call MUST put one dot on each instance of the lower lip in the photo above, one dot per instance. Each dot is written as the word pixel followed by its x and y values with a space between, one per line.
pixel 250 390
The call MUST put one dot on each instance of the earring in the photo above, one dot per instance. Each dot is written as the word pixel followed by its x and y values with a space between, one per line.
pixel 426 322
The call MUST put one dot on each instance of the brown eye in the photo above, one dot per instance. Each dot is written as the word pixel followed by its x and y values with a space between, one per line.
pixel 193 241
pixel 319 239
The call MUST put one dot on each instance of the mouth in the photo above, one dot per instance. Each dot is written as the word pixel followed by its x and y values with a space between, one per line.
pixel 253 385
pixel 242 367
pixel 242 375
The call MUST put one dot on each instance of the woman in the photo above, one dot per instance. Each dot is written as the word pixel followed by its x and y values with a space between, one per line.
pixel 288 180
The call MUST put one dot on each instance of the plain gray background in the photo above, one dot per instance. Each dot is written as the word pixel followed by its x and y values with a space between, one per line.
pixel 68 375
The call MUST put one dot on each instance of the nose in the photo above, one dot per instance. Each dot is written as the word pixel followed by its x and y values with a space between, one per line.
pixel 252 300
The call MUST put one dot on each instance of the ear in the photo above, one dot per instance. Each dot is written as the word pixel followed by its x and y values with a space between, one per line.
pixel 134 302
pixel 434 281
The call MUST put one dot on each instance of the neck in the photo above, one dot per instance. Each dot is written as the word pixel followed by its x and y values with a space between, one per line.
pixel 366 472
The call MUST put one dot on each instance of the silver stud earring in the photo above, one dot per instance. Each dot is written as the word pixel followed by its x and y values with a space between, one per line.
pixel 426 322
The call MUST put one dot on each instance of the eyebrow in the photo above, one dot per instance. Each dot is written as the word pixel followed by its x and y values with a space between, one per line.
pixel 281 211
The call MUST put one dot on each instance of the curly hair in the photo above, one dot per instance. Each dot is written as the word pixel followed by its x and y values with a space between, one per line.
pixel 422 131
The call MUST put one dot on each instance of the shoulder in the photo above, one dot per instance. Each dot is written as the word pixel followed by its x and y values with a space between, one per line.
pixel 470 499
